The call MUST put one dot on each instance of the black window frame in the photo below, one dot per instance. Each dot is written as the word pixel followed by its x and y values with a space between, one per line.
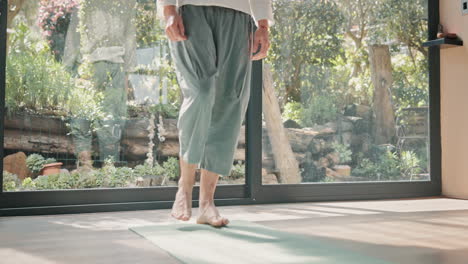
pixel 253 191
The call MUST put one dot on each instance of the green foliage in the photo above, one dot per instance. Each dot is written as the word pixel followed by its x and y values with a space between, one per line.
pixel 306 33
pixel 166 110
pixel 171 168
pixel 10 181
pixel 321 109
pixel 149 30
pixel 28 184
pixel 293 110
pixel 410 163
pixel 410 76
pixel 146 170
pixel 85 100
pixel 388 165
pixel 35 80
pixel 386 168
pixel 343 150
pixel 413 32
pixel 50 160
pixel 46 182
pixel 35 162
pixel 238 170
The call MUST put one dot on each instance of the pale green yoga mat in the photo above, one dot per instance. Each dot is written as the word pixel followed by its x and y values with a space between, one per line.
pixel 243 242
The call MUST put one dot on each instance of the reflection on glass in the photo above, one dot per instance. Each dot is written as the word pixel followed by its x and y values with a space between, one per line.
pixel 346 92
pixel 92 99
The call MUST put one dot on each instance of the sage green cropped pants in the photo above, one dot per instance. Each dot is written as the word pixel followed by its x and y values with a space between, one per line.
pixel 213 68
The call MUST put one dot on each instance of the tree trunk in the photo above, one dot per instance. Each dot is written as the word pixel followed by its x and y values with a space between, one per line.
pixel 14 6
pixel 381 72
pixel 284 157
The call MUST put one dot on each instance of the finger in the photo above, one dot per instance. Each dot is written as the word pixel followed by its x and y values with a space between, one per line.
pixel 263 51
pixel 265 46
pixel 175 33
pixel 256 45
pixel 182 28
pixel 171 35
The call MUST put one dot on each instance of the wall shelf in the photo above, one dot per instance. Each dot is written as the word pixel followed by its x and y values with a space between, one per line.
pixel 444 43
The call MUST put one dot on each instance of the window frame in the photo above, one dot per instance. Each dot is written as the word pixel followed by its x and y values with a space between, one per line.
pixel 253 191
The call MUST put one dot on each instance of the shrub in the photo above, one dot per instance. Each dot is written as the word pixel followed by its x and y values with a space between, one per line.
pixel 146 169
pixel 34 79
pixel 10 181
pixel 409 163
pixel 171 168
pixel 238 170
pixel 343 150
pixel 28 184
pixel 35 162
pixel 388 165
pixel 294 111
pixel 321 109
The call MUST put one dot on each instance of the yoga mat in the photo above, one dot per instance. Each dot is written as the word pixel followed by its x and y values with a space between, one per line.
pixel 245 242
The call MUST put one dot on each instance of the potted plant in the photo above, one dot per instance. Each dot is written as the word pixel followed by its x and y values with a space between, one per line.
pixel 51 167
pixel 41 166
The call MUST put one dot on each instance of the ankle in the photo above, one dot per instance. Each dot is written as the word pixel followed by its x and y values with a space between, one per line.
pixel 185 184
pixel 205 203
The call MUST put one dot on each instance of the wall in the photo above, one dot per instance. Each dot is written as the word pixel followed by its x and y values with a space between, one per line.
pixel 454 104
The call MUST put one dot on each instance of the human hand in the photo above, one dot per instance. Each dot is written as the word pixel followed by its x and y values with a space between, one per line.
pixel 261 40
pixel 174 24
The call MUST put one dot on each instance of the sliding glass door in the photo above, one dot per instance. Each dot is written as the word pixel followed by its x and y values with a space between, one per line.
pixel 345 106
pixel 346 93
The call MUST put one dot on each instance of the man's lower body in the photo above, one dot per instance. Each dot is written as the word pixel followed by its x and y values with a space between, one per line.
pixel 109 78
pixel 213 67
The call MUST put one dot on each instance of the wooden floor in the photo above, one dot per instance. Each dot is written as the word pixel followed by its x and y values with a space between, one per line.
pixel 429 230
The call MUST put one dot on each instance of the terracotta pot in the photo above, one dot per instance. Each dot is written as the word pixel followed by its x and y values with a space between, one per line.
pixel 51 168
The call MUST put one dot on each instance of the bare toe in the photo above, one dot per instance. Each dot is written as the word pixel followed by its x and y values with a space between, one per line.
pixel 210 215
pixel 182 207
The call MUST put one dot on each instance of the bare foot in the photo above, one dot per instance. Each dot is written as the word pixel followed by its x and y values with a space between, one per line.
pixel 208 214
pixel 182 207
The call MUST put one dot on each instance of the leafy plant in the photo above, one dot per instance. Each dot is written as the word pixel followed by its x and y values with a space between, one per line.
pixel 34 79
pixel 388 165
pixel 35 162
pixel 145 170
pixel 238 170
pixel 49 160
pixel 10 181
pixel 409 163
pixel 171 168
pixel 321 109
pixel 293 110
pixel 343 150
pixel 28 184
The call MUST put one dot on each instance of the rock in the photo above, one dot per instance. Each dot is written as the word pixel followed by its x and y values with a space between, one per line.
pixel 331 173
pixel 291 124
pixel 342 170
pixel 333 158
pixel 300 138
pixel 64 171
pixel 347 137
pixel 311 172
pixel 270 179
pixel 149 180
pixel 16 164
pixel 323 162
pixel 363 111
pixel 317 146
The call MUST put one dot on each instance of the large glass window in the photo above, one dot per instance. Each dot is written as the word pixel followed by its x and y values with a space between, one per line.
pixel 92 98
pixel 346 92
